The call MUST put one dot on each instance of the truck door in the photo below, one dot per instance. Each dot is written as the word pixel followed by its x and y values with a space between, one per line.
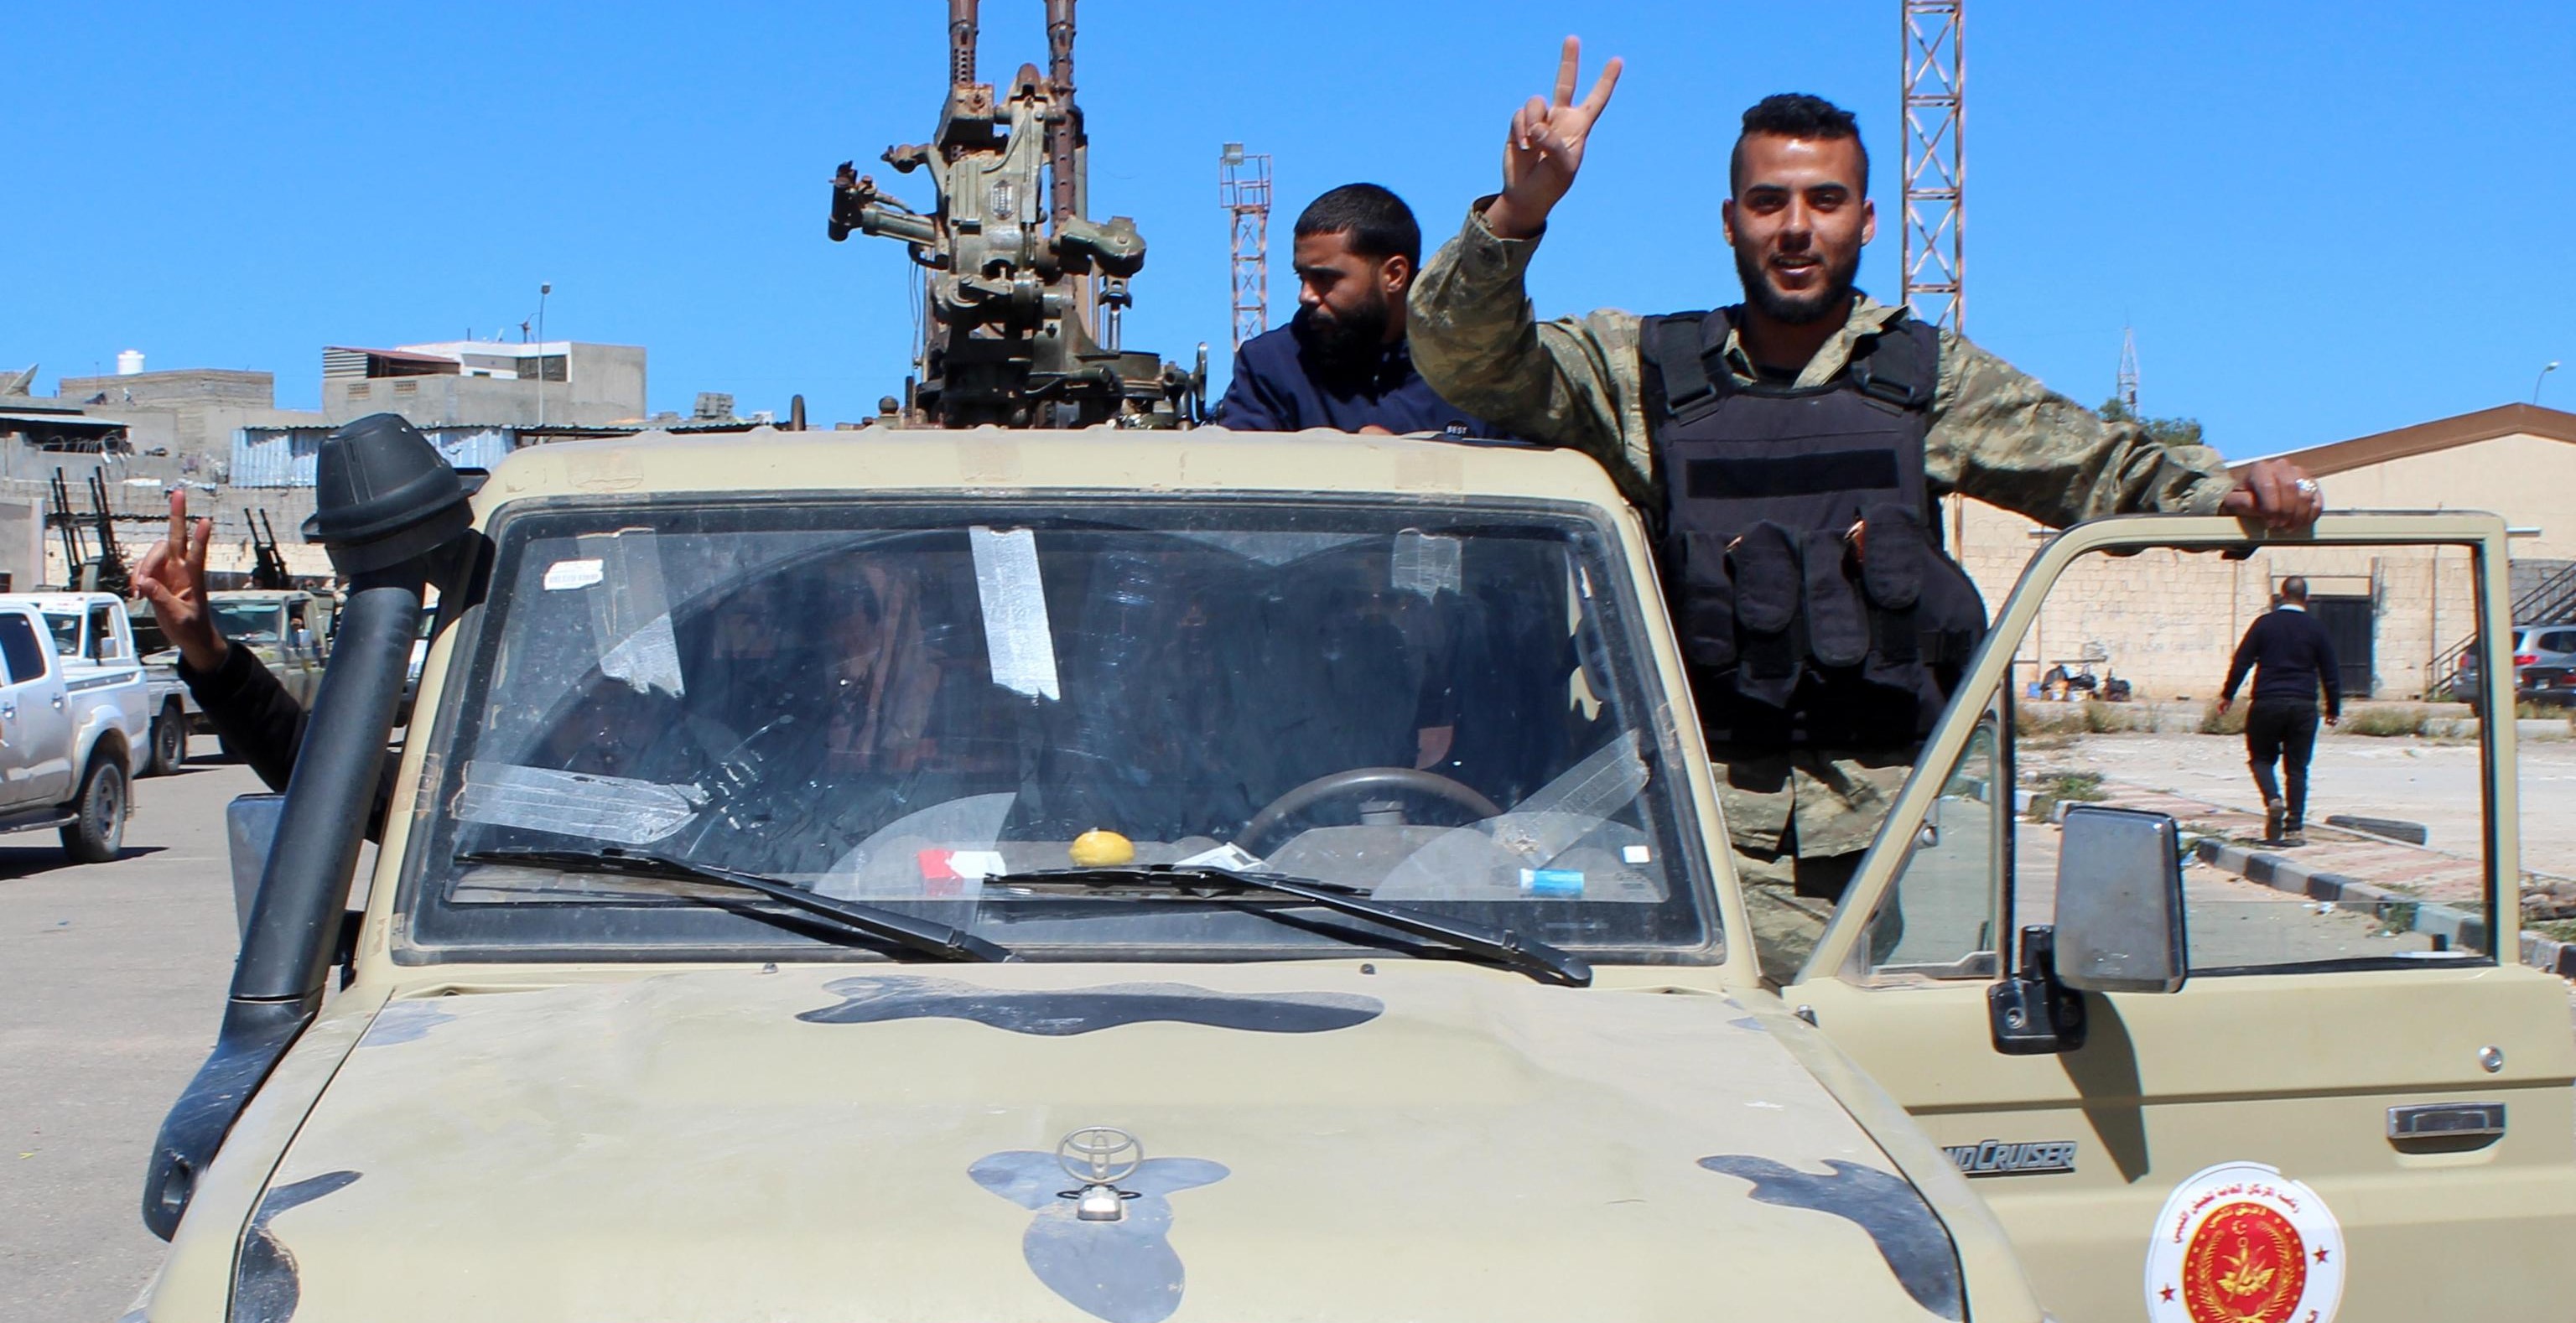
pixel 35 717
pixel 2351 1108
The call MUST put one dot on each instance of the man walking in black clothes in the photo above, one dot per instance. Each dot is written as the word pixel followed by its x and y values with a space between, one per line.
pixel 2290 655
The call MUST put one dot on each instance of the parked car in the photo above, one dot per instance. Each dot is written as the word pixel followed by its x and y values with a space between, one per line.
pixel 2547 686
pixel 173 708
pixel 2542 645
pixel 289 630
pixel 71 722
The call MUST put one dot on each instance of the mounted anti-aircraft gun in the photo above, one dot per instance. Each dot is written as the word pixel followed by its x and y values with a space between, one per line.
pixel 1024 292
pixel 67 526
pixel 104 573
pixel 267 567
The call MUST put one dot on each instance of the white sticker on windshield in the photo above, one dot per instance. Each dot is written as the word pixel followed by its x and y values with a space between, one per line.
pixel 1017 638
pixel 567 574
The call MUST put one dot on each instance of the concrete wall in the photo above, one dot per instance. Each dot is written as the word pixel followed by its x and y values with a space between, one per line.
pixel 140 512
pixel 180 424
pixel 191 387
pixel 2169 621
pixel 22 543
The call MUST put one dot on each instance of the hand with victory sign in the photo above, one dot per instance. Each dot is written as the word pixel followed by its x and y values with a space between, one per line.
pixel 1546 147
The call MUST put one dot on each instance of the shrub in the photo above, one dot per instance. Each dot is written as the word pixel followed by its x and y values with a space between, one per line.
pixel 2112 718
pixel 2229 722
pixel 2383 719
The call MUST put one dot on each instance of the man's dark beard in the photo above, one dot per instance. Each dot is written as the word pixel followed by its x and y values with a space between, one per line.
pixel 1348 343
pixel 1801 310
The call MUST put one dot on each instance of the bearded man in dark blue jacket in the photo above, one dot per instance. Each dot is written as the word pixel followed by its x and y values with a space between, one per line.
pixel 1341 361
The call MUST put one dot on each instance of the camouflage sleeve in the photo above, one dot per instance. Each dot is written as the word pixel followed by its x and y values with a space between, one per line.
pixel 2002 437
pixel 1570 382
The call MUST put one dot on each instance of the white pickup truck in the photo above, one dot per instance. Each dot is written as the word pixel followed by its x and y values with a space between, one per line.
pixel 73 712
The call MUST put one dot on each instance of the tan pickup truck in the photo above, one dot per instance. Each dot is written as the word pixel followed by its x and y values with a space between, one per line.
pixel 1066 876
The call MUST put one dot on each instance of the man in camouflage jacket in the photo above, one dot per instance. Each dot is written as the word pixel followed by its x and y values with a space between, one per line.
pixel 1798 217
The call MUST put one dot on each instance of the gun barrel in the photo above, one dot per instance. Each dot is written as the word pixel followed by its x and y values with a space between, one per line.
pixel 878 219
pixel 961 42
pixel 1063 136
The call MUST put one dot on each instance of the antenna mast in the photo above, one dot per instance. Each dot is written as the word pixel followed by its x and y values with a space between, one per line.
pixel 1936 161
pixel 1243 186
pixel 2128 383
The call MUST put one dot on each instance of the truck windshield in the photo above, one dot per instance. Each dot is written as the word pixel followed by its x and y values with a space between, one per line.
pixel 247 622
pixel 892 703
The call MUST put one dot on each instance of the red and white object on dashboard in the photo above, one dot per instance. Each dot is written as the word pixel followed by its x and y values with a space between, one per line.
pixel 957 872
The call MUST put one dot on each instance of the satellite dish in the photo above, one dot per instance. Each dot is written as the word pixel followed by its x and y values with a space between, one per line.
pixel 19 383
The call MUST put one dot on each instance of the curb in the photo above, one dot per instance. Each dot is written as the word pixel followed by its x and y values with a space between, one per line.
pixel 2447 923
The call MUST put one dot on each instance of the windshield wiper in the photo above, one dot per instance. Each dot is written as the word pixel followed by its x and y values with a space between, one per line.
pixel 892 926
pixel 1502 946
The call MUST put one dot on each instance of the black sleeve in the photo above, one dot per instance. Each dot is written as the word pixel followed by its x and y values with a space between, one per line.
pixel 2246 651
pixel 264 725
pixel 254 714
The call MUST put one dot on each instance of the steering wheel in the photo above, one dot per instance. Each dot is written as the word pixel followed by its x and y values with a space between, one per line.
pixel 1365 781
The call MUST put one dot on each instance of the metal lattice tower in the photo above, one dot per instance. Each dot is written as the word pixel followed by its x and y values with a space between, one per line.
pixel 1936 159
pixel 1243 186
pixel 2127 386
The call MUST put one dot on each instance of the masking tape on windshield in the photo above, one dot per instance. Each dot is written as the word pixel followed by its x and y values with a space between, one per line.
pixel 1426 564
pixel 630 613
pixel 1017 638
pixel 616 809
pixel 1597 787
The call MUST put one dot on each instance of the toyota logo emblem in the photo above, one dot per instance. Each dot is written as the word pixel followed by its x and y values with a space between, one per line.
pixel 1099 1155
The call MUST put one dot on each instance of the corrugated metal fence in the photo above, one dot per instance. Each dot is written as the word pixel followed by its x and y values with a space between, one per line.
pixel 283 456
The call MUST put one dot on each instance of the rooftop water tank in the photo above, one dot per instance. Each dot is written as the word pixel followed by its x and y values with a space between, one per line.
pixel 129 362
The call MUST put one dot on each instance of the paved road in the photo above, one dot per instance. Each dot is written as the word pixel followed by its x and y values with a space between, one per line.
pixel 2426 781
pixel 112 976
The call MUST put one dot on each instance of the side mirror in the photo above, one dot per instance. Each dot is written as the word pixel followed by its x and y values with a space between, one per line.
pixel 250 828
pixel 2119 902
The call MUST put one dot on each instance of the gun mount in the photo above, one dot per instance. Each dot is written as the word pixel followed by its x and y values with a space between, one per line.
pixel 1024 292
pixel 106 573
pixel 267 566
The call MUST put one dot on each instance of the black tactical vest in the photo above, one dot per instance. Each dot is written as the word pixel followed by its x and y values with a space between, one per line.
pixel 1792 636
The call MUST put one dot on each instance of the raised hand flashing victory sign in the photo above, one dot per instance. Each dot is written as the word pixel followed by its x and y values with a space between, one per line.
pixel 1546 147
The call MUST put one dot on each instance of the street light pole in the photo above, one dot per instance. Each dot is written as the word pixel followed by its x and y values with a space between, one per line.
pixel 2544 376
pixel 542 291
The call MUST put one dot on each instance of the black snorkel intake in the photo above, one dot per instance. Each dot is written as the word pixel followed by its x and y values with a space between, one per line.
pixel 394 517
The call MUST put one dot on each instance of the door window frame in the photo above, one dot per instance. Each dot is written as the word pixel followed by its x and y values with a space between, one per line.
pixel 2481 535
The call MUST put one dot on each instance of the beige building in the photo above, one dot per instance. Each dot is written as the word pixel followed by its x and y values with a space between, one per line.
pixel 2168 622
pixel 487 383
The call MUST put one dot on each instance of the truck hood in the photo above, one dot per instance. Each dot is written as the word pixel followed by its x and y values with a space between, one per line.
pixel 1426 1141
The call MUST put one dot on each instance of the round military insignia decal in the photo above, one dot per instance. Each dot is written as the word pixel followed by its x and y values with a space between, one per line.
pixel 2241 1243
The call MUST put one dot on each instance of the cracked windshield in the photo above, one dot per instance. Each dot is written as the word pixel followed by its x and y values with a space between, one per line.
pixel 915 708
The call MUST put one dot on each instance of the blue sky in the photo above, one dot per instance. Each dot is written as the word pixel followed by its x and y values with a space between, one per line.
pixel 2323 219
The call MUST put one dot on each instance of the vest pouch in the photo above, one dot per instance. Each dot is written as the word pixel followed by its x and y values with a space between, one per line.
pixel 1705 614
pixel 1893 551
pixel 1837 621
pixel 1764 565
